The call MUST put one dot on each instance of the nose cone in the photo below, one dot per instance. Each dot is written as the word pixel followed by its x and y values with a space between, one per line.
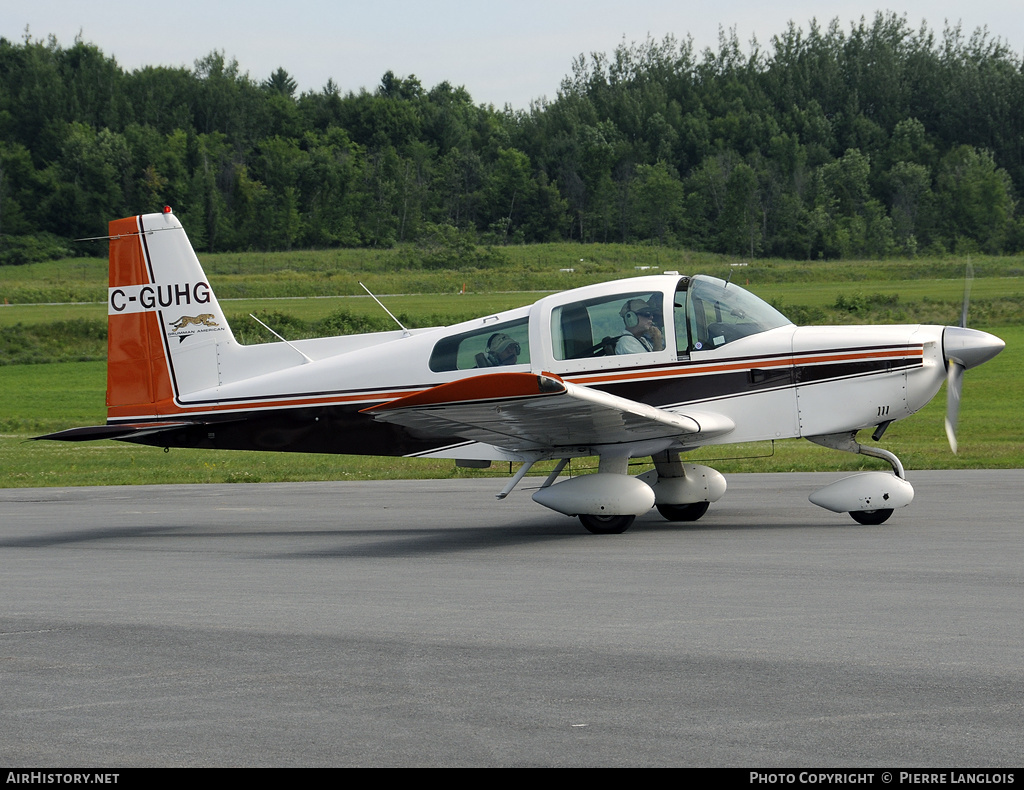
pixel 969 347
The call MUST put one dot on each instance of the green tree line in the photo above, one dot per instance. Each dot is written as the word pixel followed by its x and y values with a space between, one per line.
pixel 870 141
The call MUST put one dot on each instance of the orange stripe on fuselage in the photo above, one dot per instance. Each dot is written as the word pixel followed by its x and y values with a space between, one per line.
pixel 809 358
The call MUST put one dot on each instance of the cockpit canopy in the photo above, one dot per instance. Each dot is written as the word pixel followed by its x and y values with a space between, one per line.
pixel 718 313
pixel 703 313
pixel 676 316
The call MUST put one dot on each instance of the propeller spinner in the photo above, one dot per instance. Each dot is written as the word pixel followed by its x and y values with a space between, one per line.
pixel 963 349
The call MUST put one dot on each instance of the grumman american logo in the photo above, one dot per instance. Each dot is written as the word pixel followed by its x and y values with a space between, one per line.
pixel 126 299
pixel 203 322
pixel 206 319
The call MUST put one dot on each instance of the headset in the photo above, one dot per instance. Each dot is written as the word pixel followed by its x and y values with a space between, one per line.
pixel 499 341
pixel 632 317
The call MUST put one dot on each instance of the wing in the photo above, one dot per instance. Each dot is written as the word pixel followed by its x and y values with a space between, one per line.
pixel 528 412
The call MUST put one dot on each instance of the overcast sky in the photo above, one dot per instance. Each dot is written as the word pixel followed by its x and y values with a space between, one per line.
pixel 503 53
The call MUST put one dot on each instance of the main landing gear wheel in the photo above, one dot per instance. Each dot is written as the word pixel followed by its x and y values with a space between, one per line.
pixel 871 517
pixel 606 525
pixel 690 512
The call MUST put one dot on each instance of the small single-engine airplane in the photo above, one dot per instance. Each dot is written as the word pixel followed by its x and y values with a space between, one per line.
pixel 649 366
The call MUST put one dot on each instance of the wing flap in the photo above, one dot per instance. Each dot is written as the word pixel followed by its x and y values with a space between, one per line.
pixel 528 411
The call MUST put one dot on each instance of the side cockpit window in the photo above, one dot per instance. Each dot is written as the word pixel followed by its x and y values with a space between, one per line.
pixel 497 345
pixel 626 323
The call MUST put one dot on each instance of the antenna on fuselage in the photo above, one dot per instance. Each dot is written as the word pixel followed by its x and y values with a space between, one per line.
pixel 732 268
pixel 279 337
pixel 382 307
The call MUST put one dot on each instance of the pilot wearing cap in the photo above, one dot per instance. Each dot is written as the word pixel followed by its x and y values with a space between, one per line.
pixel 641 335
pixel 501 350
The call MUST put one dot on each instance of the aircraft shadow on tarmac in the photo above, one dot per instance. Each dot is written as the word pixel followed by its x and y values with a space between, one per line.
pixel 399 542
pixel 411 541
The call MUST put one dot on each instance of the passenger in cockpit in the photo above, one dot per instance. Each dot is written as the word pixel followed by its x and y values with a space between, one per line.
pixel 642 333
pixel 501 350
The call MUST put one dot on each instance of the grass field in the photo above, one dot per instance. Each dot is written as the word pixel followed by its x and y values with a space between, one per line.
pixel 39 398
pixel 544 267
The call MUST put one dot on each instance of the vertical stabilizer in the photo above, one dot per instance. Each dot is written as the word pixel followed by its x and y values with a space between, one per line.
pixel 165 327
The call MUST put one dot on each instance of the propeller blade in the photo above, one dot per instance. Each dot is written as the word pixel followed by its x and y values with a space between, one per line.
pixel 954 385
pixel 963 348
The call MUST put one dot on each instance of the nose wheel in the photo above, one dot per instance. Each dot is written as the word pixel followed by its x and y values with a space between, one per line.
pixel 871 517
pixel 855 494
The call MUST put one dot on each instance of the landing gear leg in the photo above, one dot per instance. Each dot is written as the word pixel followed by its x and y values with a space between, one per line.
pixel 847 442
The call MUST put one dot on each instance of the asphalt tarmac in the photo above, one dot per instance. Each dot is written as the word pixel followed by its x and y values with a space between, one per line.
pixel 423 623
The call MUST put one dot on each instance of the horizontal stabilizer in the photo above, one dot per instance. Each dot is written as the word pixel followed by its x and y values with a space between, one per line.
pixel 96 432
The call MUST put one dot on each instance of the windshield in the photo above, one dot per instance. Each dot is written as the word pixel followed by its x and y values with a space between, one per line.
pixel 718 313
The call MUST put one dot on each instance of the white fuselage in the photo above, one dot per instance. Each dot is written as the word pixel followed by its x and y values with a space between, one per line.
pixel 780 382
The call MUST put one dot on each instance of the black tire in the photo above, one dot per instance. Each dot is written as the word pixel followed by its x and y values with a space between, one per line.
pixel 690 512
pixel 606 525
pixel 871 517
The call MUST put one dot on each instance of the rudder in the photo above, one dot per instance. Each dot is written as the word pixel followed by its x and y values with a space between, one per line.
pixel 164 323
